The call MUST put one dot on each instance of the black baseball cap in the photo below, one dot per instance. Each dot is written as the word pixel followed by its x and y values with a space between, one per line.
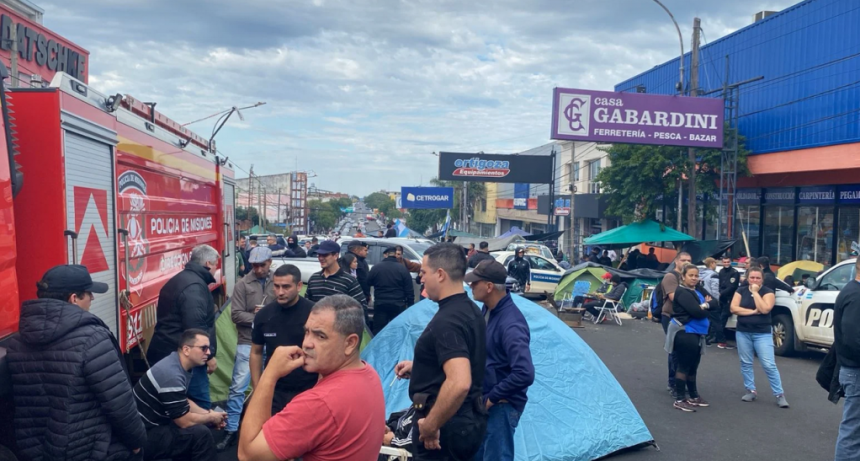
pixel 389 250
pixel 71 278
pixel 328 247
pixel 490 271
pixel 356 243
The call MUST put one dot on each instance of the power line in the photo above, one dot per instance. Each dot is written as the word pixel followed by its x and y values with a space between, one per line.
pixel 805 98
pixel 823 119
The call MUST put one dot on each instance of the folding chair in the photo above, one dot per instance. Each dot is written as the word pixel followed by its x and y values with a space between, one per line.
pixel 611 309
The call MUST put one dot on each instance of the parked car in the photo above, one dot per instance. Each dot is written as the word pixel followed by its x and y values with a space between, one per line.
pixel 545 273
pixel 804 318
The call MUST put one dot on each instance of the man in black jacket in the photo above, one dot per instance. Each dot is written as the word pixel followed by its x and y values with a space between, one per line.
pixel 359 249
pixel 392 289
pixel 729 280
pixel 73 400
pixel 483 254
pixel 390 231
pixel 520 270
pixel 184 303
pixel 846 335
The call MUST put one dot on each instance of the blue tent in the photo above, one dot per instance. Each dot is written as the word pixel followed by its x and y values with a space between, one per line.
pixel 576 410
pixel 514 231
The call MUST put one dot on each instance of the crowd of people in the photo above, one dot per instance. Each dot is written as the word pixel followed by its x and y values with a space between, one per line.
pixel 313 397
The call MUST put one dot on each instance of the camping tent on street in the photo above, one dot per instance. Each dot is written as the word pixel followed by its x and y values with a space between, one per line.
pixel 634 279
pixel 576 409
pixel 639 232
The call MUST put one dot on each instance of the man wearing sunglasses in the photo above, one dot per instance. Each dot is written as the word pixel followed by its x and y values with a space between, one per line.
pixel 175 426
pixel 91 415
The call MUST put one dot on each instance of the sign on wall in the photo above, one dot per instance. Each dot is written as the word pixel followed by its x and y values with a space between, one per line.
pixel 427 197
pixel 535 169
pixel 636 118
pixel 521 196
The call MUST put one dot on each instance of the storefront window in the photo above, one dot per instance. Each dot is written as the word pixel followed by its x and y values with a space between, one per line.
pixel 848 232
pixel 778 233
pixel 815 233
pixel 749 222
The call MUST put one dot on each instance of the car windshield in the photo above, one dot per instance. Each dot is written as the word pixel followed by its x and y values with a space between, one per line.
pixel 419 247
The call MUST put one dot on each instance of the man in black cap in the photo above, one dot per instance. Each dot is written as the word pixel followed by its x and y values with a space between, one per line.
pixel 509 360
pixel 483 254
pixel 332 279
pixel 519 269
pixel 359 249
pixel 72 397
pixel 392 289
pixel 390 231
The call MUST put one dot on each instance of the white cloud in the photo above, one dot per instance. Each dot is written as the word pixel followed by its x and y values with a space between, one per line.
pixel 362 92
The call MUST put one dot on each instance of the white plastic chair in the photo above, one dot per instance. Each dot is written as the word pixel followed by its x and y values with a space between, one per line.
pixel 611 309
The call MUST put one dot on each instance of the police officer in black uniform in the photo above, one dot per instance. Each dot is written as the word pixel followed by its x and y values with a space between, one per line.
pixel 359 249
pixel 520 270
pixel 450 354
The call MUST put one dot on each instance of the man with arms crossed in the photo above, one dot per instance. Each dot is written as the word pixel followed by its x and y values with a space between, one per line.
pixel 448 370
pixel 342 417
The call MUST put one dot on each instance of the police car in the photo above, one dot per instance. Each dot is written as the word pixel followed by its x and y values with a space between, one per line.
pixel 545 273
pixel 804 319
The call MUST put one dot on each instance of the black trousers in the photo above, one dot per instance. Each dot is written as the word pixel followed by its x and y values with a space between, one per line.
pixel 461 438
pixel 384 312
pixel 687 352
pixel 592 306
pixel 725 314
pixel 194 443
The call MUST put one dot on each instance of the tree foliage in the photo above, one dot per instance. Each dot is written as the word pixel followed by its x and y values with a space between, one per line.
pixel 641 178
pixel 242 213
pixel 324 215
pixel 383 203
pixel 477 190
pixel 422 220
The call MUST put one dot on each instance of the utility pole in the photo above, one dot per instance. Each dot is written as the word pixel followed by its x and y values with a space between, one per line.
pixel 279 206
pixel 464 213
pixel 250 193
pixel 574 229
pixel 692 215
pixel 265 208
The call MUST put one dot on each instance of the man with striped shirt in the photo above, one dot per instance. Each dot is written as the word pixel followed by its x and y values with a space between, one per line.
pixel 175 426
pixel 332 280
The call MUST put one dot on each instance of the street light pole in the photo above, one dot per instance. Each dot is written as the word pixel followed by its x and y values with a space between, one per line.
pixel 680 88
pixel 680 85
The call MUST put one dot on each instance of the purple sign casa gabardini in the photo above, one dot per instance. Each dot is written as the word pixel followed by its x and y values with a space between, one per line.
pixel 636 118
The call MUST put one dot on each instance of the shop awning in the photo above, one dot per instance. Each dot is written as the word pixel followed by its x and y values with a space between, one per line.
pixel 640 232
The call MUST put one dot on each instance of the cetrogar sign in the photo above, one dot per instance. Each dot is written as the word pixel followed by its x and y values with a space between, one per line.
pixel 427 197
pixel 635 118
pixel 534 169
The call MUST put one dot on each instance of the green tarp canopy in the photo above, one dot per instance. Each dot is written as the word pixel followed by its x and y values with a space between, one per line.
pixel 640 232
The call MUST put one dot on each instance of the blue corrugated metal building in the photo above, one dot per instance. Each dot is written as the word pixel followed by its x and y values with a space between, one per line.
pixel 801 122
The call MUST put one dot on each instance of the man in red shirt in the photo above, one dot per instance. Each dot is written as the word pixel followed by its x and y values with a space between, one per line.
pixel 342 417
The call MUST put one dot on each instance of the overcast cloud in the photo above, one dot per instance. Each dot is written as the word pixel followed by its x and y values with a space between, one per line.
pixel 362 92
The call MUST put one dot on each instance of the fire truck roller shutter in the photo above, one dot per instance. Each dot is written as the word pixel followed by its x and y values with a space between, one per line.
pixel 89 171
pixel 229 263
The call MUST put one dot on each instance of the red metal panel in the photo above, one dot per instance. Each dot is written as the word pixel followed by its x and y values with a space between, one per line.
pixel 9 309
pixel 40 207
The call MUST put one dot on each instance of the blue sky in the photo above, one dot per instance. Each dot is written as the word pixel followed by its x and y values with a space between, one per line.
pixel 362 92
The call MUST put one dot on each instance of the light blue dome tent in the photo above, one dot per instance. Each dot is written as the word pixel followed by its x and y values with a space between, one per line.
pixel 576 409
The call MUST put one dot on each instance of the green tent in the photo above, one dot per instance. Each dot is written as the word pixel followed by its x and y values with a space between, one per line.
pixel 635 289
pixel 592 275
pixel 640 232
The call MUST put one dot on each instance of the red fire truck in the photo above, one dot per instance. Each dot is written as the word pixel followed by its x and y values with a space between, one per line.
pixel 110 183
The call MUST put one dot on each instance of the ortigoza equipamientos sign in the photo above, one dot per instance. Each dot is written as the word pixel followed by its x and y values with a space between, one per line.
pixel 535 169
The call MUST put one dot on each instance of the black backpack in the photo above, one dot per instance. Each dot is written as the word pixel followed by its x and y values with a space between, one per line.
pixel 658 298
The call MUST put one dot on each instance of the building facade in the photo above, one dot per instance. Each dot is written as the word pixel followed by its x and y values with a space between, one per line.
pixel 800 122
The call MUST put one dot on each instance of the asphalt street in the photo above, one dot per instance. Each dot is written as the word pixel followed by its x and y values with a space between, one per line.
pixel 729 429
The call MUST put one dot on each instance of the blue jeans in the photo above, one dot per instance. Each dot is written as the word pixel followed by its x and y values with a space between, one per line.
pixel 499 441
pixel 848 442
pixel 198 388
pixel 761 344
pixel 241 378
